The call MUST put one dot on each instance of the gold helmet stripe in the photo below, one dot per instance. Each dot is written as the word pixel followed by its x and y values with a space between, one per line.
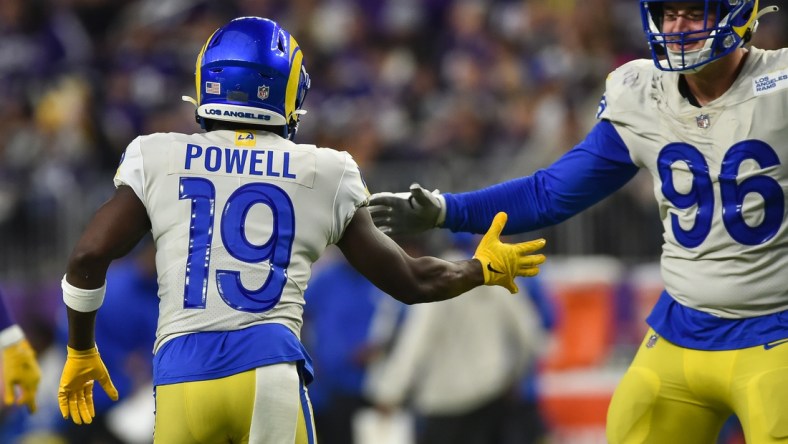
pixel 198 64
pixel 742 30
pixel 296 59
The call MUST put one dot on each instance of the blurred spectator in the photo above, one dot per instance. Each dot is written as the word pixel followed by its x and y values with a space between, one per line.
pixel 20 373
pixel 525 423
pixel 456 364
pixel 348 323
pixel 475 87
pixel 128 322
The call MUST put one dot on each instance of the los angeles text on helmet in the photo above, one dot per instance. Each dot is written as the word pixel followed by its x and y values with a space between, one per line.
pixel 237 114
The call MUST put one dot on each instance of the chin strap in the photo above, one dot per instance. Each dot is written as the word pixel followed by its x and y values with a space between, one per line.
pixel 197 117
pixel 766 10
pixel 191 100
pixel 761 13
pixel 292 128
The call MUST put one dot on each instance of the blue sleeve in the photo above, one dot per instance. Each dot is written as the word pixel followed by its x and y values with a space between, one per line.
pixel 595 168
pixel 6 320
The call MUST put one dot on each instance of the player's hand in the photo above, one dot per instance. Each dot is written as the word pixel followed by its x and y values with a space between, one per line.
pixel 502 262
pixel 406 213
pixel 21 370
pixel 75 394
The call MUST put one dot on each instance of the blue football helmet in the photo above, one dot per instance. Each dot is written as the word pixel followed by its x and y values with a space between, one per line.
pixel 736 21
pixel 251 71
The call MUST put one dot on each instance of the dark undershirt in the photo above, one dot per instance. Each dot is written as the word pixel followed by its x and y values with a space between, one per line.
pixel 684 86
pixel 686 93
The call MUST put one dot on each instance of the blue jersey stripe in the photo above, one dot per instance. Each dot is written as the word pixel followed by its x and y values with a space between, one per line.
pixel 697 330
pixel 307 411
pixel 216 354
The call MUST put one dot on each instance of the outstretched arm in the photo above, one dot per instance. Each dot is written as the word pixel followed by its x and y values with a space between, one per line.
pixel 428 279
pixel 591 171
pixel 114 230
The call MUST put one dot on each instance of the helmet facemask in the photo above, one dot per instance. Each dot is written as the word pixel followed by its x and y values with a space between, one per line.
pixel 733 24
pixel 304 83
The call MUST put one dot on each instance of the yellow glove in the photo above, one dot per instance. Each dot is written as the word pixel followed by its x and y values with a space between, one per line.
pixel 75 394
pixel 502 262
pixel 21 369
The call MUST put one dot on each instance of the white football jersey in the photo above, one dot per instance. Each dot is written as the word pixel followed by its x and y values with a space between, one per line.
pixel 238 218
pixel 721 180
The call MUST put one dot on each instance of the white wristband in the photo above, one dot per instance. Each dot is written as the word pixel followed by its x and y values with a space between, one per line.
pixel 442 212
pixel 11 335
pixel 80 299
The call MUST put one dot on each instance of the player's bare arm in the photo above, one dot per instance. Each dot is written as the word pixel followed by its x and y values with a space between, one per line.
pixel 428 279
pixel 114 230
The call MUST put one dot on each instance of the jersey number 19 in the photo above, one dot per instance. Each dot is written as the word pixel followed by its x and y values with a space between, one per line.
pixel 233 219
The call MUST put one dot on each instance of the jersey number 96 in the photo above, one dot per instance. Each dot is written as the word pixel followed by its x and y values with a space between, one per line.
pixel 733 190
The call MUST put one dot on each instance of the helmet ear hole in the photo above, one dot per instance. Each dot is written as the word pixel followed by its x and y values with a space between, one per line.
pixel 217 38
pixel 280 43
pixel 304 83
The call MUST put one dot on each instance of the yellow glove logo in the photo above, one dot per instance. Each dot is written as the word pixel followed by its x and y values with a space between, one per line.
pixel 502 262
pixel 492 270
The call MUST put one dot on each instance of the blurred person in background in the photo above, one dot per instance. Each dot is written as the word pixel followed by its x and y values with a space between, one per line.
pixel 228 361
pixel 21 373
pixel 458 363
pixel 525 422
pixel 348 325
pixel 704 116
pixel 127 325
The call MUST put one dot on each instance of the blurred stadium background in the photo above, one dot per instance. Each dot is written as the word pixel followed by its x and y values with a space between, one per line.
pixel 454 94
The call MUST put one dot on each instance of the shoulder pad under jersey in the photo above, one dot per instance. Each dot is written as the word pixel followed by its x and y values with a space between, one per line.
pixel 628 89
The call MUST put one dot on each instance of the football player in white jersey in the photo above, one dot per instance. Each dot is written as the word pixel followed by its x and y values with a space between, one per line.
pixel 708 118
pixel 239 214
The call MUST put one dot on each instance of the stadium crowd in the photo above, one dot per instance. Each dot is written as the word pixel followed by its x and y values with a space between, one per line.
pixel 459 92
